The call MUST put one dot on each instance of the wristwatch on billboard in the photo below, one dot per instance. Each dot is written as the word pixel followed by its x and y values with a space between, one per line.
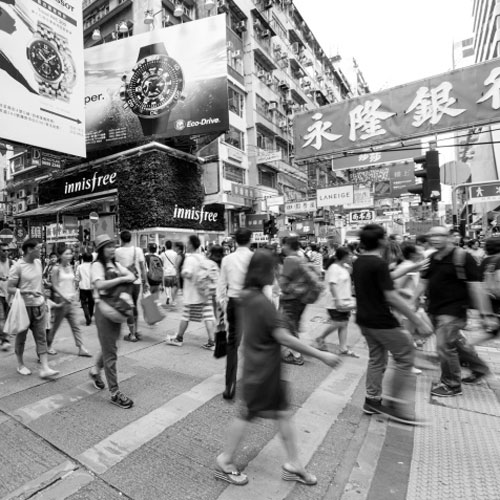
pixel 52 63
pixel 154 88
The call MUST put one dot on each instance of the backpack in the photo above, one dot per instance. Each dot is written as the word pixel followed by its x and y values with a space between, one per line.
pixel 205 279
pixel 155 269
pixel 305 285
pixel 491 278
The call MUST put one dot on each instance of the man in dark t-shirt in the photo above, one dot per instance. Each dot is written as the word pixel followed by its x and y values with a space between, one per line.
pixel 375 296
pixel 451 280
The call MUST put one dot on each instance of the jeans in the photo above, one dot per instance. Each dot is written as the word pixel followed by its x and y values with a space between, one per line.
pixel 233 342
pixel 87 301
pixel 108 333
pixel 452 348
pixel 68 311
pixel 37 319
pixel 4 311
pixel 292 310
pixel 132 321
pixel 400 345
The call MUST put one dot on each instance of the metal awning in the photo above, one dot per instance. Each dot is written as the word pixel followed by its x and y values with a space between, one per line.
pixel 89 204
pixel 49 209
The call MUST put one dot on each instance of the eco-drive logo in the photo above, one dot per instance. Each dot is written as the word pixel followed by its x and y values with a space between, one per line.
pixel 182 124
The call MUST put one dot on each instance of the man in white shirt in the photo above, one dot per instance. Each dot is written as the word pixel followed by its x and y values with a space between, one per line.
pixel 232 278
pixel 168 258
pixel 132 258
pixel 196 307
pixel 83 280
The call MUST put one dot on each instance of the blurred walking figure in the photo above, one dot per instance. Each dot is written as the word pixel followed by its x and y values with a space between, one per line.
pixel 83 280
pixel 154 266
pixel 26 275
pixel 264 392
pixel 375 296
pixel 340 301
pixel 232 278
pixel 64 293
pixel 5 265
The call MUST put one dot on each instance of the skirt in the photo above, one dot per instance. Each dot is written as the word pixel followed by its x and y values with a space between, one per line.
pixel 198 312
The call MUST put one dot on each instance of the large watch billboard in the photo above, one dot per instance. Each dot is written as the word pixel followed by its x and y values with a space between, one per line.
pixel 167 82
pixel 41 74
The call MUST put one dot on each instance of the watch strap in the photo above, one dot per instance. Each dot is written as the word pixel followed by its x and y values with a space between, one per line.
pixel 152 50
pixel 155 126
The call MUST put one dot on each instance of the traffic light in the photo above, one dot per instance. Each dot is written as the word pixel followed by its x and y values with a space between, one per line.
pixel 430 189
pixel 273 229
pixel 266 226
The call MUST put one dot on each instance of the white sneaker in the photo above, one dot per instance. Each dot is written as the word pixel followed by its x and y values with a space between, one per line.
pixel 173 341
pixel 416 371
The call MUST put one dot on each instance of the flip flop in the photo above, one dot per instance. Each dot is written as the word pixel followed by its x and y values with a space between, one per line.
pixel 24 371
pixel 303 478
pixel 234 477
pixel 349 353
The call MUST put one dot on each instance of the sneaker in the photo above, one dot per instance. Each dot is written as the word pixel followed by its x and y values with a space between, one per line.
pixel 97 380
pixel 167 302
pixel 173 341
pixel 121 400
pixel 416 371
pixel 474 378
pixel 292 360
pixel 6 346
pixel 397 416
pixel 320 344
pixel 442 390
pixel 372 406
pixel 210 345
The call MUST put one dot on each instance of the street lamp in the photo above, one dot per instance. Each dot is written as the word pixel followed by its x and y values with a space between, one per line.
pixel 209 4
pixel 179 9
pixel 122 27
pixel 96 34
pixel 149 16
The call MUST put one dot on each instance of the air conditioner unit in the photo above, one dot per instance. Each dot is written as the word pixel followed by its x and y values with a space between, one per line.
pixel 283 124
pixel 241 26
pixel 22 206
pixel 237 54
pixel 320 78
pixel 273 106
pixel 308 62
pixel 21 193
pixel 14 208
pixel 295 47
pixel 256 24
pixel 269 79
pixel 31 199
pixel 265 34
pixel 261 73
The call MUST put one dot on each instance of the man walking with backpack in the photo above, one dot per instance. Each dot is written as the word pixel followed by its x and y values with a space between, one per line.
pixel 451 278
pixel 198 290
pixel 154 268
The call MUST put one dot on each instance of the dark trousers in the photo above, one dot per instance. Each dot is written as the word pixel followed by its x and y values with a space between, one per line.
pixel 292 311
pixel 4 312
pixel 453 348
pixel 233 342
pixel 87 301
pixel 132 321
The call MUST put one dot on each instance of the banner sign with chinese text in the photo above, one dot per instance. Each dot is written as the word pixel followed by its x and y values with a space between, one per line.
pixel 372 158
pixel 298 207
pixel 158 83
pixel 459 99
pixel 41 74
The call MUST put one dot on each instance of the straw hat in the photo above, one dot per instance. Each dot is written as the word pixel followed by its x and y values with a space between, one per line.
pixel 101 241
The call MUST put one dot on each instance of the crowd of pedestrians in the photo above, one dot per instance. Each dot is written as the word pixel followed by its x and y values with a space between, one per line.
pixel 398 292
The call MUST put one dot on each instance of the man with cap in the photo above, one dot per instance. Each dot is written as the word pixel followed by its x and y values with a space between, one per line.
pixel 450 280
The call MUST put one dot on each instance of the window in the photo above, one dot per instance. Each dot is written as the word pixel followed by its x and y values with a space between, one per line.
pixel 264 141
pixel 236 101
pixel 233 173
pixel 235 138
pixel 267 178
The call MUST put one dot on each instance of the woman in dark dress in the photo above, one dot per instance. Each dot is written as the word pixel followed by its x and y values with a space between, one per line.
pixel 264 391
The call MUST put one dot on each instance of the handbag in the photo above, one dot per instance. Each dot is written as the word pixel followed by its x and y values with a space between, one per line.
pixel 117 305
pixel 17 320
pixel 150 310
pixel 220 344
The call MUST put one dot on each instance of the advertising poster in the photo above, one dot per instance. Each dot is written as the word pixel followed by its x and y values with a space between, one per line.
pixel 163 83
pixel 41 74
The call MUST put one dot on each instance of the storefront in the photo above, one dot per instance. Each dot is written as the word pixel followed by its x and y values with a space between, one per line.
pixel 154 191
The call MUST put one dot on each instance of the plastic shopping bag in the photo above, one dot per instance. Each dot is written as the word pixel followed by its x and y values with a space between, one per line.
pixel 150 309
pixel 17 319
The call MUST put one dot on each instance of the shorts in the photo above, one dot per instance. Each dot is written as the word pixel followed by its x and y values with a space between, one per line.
pixel 198 312
pixel 339 316
pixel 170 281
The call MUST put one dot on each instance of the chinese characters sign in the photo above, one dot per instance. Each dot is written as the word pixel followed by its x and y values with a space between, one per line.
pixel 41 74
pixel 362 216
pixel 484 193
pixel 458 99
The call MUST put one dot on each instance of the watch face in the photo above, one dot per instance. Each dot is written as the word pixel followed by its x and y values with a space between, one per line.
pixel 155 86
pixel 46 60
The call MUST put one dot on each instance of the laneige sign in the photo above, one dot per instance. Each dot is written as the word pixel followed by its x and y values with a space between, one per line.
pixel 335 196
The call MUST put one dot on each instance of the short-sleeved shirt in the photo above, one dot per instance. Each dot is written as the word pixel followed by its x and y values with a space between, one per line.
pixel 27 276
pixel 97 272
pixel 340 277
pixel 125 257
pixel 190 292
pixel 446 293
pixel 371 280
pixel 168 259
pixel 262 387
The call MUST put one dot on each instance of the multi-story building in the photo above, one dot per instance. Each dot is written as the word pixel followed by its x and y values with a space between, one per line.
pixel 276 67
pixel 463 53
pixel 486 24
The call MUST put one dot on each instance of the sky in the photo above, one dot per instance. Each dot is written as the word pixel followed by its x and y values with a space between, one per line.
pixel 394 41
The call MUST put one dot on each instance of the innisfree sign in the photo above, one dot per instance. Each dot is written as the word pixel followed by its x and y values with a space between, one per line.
pixel 455 100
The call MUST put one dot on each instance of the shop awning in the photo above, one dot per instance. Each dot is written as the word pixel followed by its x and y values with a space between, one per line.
pixel 87 204
pixel 49 209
